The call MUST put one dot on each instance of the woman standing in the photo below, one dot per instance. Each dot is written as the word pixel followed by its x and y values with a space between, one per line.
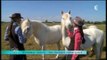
pixel 78 35
pixel 14 36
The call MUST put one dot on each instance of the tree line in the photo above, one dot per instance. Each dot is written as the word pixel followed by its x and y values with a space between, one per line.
pixel 85 21
pixel 88 22
pixel 95 22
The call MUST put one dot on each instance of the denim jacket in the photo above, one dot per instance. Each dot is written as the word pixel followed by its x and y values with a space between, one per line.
pixel 17 31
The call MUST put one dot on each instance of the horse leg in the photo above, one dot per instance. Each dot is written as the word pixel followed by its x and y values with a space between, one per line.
pixel 98 51
pixel 66 56
pixel 99 46
pixel 43 56
pixel 59 46
pixel 91 53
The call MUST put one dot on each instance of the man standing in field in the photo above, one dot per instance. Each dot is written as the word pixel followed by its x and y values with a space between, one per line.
pixel 14 36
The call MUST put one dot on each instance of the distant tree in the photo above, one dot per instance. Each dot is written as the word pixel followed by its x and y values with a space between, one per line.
pixel 54 22
pixel 2 21
pixel 95 22
pixel 84 20
pixel 88 22
pixel 46 21
pixel 99 22
pixel 104 22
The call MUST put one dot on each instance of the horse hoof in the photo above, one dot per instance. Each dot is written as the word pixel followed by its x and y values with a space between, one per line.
pixel 43 59
pixel 56 57
pixel 91 53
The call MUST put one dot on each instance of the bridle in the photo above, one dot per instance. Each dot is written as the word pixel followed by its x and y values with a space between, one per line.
pixel 70 30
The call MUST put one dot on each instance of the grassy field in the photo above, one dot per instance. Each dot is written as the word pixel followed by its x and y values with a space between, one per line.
pixel 31 45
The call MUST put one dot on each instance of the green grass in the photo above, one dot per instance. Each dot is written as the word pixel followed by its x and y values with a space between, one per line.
pixel 31 45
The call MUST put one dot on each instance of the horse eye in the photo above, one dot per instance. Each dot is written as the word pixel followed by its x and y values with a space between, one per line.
pixel 28 29
pixel 63 18
pixel 70 18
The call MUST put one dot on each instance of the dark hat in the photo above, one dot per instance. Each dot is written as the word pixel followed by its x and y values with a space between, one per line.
pixel 16 15
pixel 78 21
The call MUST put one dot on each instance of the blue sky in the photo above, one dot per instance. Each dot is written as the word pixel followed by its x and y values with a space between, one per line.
pixel 51 10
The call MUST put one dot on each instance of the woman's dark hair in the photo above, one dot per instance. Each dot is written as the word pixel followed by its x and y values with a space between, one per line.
pixel 79 23
pixel 82 33
pixel 10 27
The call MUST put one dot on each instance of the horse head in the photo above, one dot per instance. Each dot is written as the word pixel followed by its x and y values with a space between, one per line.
pixel 66 19
pixel 26 28
pixel 66 23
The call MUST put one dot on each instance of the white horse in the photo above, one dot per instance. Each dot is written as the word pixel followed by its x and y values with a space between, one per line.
pixel 42 33
pixel 92 35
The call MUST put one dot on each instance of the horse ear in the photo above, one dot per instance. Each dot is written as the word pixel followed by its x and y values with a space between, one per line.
pixel 69 12
pixel 28 19
pixel 62 12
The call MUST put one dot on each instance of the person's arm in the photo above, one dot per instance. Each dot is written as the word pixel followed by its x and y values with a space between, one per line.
pixel 6 35
pixel 78 37
pixel 21 38
pixel 69 33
